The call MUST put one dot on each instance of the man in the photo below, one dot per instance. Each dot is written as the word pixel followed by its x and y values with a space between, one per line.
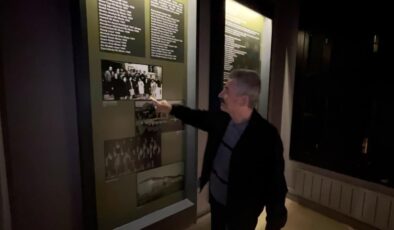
pixel 243 159
pixel 108 75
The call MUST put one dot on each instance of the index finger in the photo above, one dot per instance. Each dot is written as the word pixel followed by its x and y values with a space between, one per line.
pixel 153 99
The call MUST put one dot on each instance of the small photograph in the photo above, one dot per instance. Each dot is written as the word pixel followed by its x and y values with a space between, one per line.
pixel 128 81
pixel 119 158
pixel 148 119
pixel 147 150
pixel 159 182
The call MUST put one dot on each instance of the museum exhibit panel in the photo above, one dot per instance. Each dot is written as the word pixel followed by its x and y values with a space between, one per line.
pixel 247 44
pixel 143 162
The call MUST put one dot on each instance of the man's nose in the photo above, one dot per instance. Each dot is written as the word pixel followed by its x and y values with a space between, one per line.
pixel 220 94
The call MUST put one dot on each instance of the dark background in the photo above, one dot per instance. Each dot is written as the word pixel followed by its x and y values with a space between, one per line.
pixel 343 90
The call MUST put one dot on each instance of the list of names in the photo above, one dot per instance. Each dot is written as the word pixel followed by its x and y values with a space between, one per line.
pixel 121 27
pixel 242 47
pixel 167 30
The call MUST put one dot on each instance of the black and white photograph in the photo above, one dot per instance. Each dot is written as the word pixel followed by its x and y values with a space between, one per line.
pixel 148 119
pixel 129 81
pixel 159 182
pixel 147 150
pixel 119 158
pixel 130 155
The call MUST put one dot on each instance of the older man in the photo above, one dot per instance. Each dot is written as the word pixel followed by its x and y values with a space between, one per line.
pixel 243 160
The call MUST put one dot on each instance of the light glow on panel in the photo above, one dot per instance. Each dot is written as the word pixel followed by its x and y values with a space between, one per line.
pixel 248 36
pixel 243 15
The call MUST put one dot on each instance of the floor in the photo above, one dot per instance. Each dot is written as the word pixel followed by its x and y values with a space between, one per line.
pixel 299 218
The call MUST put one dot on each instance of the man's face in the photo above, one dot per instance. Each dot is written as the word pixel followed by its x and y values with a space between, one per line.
pixel 229 100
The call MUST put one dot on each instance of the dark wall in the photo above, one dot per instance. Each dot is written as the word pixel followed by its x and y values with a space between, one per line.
pixel 39 122
pixel 342 117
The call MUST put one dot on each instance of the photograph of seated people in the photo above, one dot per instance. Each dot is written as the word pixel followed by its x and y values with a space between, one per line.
pixel 243 160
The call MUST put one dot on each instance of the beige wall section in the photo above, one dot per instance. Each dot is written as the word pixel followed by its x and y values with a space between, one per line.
pixel 5 216
pixel 202 94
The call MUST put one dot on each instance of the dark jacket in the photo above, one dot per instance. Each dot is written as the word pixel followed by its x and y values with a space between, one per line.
pixel 256 178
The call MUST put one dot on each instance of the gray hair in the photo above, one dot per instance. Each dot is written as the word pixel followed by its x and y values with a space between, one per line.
pixel 248 83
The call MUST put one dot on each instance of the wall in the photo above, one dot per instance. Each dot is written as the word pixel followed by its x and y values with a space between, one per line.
pixel 40 107
pixel 347 199
pixel 5 218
